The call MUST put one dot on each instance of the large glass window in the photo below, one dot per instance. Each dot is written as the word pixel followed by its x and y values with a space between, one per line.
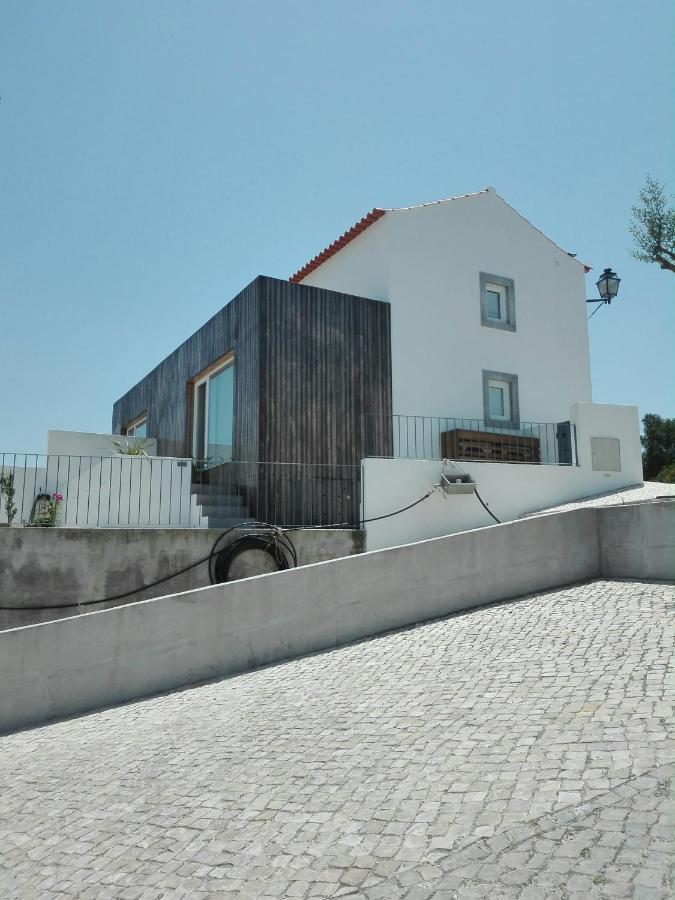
pixel 219 416
pixel 213 417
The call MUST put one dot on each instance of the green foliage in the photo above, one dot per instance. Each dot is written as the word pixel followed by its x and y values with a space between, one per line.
pixel 131 448
pixel 658 443
pixel 49 510
pixel 653 226
pixel 667 474
pixel 7 492
pixel 199 466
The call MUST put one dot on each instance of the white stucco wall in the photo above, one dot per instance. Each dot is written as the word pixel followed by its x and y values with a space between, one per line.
pixel 426 262
pixel 85 443
pixel 509 489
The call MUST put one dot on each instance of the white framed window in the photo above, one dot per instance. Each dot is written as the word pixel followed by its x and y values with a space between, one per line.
pixel 499 399
pixel 501 406
pixel 138 428
pixel 497 302
pixel 213 414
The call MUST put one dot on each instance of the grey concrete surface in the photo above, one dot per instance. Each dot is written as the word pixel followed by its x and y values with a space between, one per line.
pixel 521 750
pixel 638 540
pixel 58 566
pixel 648 490
pixel 72 665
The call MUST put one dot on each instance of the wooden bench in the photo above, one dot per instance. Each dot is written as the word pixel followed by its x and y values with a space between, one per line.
pixel 489 446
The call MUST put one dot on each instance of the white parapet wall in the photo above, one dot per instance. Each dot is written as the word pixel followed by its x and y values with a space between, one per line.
pixel 87 443
pixel 509 489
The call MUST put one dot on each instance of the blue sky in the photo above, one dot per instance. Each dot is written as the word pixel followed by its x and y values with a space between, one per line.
pixel 156 155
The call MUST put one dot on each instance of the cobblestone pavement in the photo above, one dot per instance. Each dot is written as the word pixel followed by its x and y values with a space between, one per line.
pixel 520 750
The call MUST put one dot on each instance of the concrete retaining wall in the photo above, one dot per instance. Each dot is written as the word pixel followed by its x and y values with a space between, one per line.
pixel 638 540
pixel 67 667
pixel 58 566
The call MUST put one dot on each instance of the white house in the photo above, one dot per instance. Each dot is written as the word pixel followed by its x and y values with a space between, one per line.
pixel 489 324
pixel 450 330
pixel 474 289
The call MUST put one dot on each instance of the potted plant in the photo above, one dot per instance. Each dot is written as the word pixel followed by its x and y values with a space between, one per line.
pixel 130 448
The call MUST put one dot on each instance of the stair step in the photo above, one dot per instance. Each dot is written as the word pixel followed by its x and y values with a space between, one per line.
pixel 218 499
pixel 227 522
pixel 218 511
pixel 198 488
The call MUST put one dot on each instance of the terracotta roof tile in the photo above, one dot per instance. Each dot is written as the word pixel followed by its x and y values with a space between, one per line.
pixel 341 242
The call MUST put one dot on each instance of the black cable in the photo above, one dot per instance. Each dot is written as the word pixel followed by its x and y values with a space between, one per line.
pixel 272 544
pixel 268 538
pixel 152 584
pixel 405 508
pixel 485 507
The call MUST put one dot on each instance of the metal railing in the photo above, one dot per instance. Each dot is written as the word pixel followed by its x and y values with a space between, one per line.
pixel 293 494
pixel 138 492
pixel 468 439
pixel 97 491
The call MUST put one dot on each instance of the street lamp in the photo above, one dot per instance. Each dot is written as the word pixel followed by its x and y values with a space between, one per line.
pixel 608 287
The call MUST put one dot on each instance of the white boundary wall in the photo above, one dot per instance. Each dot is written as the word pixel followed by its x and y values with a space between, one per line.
pixel 87 443
pixel 70 666
pixel 510 489
pixel 113 491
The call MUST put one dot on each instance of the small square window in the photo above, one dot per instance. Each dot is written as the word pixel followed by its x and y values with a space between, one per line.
pixel 501 406
pixel 497 302
pixel 498 400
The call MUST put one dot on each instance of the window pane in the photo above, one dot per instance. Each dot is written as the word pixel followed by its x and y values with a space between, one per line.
pixel 220 413
pixel 199 448
pixel 493 305
pixel 141 430
pixel 496 402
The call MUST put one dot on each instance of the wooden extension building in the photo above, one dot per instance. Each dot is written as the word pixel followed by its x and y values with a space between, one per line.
pixel 278 398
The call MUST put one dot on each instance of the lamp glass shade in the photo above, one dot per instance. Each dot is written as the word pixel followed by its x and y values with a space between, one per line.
pixel 608 285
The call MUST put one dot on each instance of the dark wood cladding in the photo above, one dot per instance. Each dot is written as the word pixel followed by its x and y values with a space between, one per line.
pixel 164 392
pixel 325 375
pixel 312 377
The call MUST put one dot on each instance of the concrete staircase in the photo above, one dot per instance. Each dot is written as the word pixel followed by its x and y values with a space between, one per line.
pixel 214 508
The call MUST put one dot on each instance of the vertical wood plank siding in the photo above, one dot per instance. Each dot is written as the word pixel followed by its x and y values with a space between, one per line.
pixel 325 374
pixel 163 393
pixel 312 386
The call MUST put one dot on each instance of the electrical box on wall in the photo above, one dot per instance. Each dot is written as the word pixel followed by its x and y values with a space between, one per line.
pixel 606 454
pixel 457 484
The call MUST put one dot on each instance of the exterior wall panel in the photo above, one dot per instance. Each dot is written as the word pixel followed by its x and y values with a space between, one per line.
pixel 165 392
pixel 312 386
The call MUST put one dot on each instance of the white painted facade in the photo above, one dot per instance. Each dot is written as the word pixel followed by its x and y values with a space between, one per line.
pixel 431 263
pixel 511 490
pixel 426 262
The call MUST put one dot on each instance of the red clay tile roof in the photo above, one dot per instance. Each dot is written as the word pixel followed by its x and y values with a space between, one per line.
pixel 376 214
pixel 342 241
